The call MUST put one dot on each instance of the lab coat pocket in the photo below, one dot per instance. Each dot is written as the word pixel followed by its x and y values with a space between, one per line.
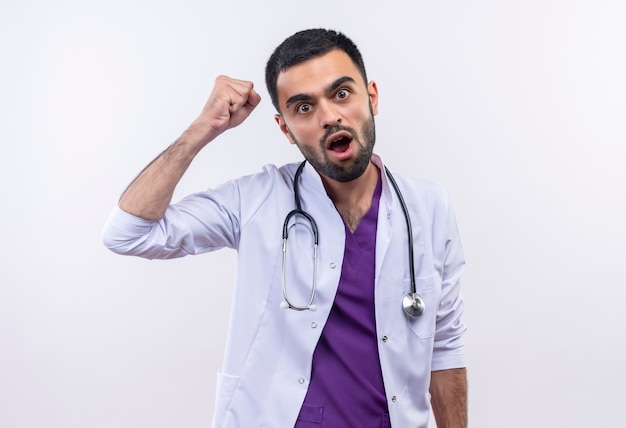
pixel 428 288
pixel 226 386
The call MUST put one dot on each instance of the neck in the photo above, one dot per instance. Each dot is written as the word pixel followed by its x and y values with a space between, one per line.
pixel 353 199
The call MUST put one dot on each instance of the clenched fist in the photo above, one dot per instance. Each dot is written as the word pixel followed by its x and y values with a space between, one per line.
pixel 230 103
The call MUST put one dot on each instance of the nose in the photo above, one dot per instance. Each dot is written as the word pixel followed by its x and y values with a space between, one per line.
pixel 329 114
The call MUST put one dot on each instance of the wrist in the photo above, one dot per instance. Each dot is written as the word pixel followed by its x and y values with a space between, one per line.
pixel 198 134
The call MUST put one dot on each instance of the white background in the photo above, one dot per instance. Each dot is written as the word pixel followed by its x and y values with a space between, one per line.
pixel 516 107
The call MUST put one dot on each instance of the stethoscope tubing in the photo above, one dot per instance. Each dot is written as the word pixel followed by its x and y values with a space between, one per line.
pixel 408 228
pixel 287 302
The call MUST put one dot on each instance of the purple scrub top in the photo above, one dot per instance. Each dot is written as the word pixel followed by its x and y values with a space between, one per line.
pixel 346 388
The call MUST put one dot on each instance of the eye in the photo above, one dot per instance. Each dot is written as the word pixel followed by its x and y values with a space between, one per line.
pixel 342 94
pixel 303 108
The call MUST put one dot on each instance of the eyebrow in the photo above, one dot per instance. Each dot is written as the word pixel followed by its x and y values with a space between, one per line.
pixel 329 89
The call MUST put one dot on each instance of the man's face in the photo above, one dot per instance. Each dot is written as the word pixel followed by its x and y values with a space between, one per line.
pixel 327 110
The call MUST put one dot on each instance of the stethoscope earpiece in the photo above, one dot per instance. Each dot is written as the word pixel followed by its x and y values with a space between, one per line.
pixel 310 307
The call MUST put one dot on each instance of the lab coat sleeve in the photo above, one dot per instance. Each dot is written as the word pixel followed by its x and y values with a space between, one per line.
pixel 199 223
pixel 448 344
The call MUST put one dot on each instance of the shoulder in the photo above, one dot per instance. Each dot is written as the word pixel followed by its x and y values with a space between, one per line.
pixel 270 178
pixel 425 192
pixel 249 193
pixel 415 190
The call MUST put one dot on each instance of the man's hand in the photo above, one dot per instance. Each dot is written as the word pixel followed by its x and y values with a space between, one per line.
pixel 229 104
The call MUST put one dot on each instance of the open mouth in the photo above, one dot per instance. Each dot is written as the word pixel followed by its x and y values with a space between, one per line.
pixel 339 142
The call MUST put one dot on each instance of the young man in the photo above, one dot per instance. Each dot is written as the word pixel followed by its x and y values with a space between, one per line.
pixel 318 337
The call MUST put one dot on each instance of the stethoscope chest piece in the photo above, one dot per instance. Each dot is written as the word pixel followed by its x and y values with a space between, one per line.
pixel 413 305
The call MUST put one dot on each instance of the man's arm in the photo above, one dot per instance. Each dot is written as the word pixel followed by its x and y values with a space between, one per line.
pixel 448 389
pixel 229 104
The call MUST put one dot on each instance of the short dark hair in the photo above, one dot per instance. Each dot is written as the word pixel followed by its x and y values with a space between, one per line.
pixel 305 45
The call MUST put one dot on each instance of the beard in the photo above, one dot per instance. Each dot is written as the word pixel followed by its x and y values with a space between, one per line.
pixel 348 172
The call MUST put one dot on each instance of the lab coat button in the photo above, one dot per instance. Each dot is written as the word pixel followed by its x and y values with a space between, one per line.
pixel 333 265
pixel 301 380
pixel 313 325
pixel 394 399
pixel 388 216
pixel 385 339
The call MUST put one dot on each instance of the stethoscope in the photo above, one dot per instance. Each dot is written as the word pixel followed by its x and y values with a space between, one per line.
pixel 412 303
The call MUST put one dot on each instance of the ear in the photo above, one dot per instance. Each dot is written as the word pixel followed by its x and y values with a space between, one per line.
pixel 283 128
pixel 372 90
